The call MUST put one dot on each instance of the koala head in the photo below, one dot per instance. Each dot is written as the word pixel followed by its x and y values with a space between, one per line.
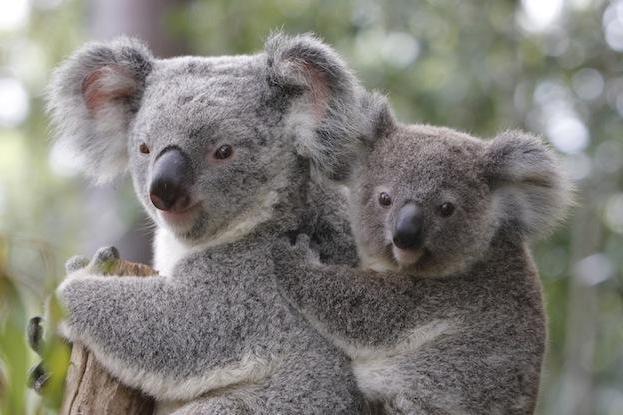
pixel 210 142
pixel 430 200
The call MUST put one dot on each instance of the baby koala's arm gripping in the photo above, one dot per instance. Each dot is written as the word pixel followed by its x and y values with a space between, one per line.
pixel 351 303
pixel 329 228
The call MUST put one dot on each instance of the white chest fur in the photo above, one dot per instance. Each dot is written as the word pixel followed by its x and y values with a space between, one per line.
pixel 377 370
pixel 168 251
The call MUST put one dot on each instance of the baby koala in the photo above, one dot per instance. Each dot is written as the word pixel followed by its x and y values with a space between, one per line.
pixel 445 313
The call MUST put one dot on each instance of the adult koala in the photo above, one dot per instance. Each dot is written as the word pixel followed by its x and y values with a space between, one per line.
pixel 219 151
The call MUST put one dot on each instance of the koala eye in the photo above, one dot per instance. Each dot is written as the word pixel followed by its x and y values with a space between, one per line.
pixel 446 209
pixel 384 199
pixel 223 152
pixel 143 148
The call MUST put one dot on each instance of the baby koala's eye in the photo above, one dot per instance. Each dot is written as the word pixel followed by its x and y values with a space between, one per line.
pixel 223 152
pixel 446 209
pixel 384 199
pixel 143 148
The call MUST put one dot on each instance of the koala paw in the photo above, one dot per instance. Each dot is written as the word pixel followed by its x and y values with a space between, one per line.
pixel 105 260
pixel 302 248
pixel 105 255
pixel 76 263
pixel 292 259
pixel 285 252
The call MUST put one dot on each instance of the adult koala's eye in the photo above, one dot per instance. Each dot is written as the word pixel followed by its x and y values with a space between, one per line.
pixel 143 148
pixel 384 199
pixel 446 209
pixel 223 152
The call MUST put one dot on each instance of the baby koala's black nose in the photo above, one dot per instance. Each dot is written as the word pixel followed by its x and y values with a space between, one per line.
pixel 171 179
pixel 408 233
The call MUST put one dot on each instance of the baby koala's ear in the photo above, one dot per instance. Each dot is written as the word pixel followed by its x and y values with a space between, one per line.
pixel 531 189
pixel 322 96
pixel 92 98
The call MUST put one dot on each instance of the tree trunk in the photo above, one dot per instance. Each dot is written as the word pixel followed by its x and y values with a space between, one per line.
pixel 89 389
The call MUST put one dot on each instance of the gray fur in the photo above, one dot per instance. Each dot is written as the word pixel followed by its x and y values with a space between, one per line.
pixel 213 332
pixel 99 143
pixel 461 328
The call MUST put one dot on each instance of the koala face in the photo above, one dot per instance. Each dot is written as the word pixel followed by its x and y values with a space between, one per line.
pixel 425 206
pixel 429 200
pixel 205 151
pixel 212 144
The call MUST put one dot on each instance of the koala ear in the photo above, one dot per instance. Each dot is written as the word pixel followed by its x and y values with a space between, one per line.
pixel 379 119
pixel 377 122
pixel 325 94
pixel 530 187
pixel 92 99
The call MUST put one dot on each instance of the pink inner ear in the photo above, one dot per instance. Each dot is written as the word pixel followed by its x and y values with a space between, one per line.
pixel 105 85
pixel 319 85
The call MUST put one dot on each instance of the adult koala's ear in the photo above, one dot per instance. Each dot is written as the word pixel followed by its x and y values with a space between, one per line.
pixel 530 187
pixel 92 98
pixel 377 122
pixel 324 99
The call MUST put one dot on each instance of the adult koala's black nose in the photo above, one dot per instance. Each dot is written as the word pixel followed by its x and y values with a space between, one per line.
pixel 171 179
pixel 408 233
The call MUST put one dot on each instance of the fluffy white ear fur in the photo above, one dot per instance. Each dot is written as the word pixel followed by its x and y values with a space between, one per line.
pixel 324 115
pixel 92 98
pixel 531 189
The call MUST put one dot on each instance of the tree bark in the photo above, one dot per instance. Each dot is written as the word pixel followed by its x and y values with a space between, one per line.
pixel 89 389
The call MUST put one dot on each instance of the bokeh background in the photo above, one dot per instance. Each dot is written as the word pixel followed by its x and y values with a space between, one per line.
pixel 553 67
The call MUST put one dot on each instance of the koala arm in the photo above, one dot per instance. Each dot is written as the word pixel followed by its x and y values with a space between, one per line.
pixel 350 303
pixel 330 233
pixel 145 333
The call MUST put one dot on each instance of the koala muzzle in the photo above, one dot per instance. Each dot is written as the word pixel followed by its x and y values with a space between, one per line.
pixel 171 179
pixel 408 233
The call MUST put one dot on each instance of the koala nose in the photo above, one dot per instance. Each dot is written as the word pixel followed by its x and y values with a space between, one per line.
pixel 171 179
pixel 408 233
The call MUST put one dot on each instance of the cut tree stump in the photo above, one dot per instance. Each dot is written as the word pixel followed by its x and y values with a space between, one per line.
pixel 89 389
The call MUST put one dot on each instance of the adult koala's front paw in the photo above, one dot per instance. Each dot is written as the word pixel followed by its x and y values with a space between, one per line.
pixel 105 262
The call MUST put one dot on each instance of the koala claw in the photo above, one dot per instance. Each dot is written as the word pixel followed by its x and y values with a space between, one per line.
pixel 287 254
pixel 76 263
pixel 35 334
pixel 302 242
pixel 106 255
pixel 105 259
pixel 38 378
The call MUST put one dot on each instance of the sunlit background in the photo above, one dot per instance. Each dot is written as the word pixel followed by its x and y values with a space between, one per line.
pixel 553 67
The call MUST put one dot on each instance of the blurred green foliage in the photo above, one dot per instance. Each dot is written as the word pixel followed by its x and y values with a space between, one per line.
pixel 552 66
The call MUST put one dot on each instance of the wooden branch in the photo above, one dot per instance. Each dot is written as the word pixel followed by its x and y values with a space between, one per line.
pixel 89 389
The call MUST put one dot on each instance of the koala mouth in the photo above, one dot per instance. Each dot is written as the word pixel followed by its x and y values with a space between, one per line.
pixel 180 220
pixel 407 257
